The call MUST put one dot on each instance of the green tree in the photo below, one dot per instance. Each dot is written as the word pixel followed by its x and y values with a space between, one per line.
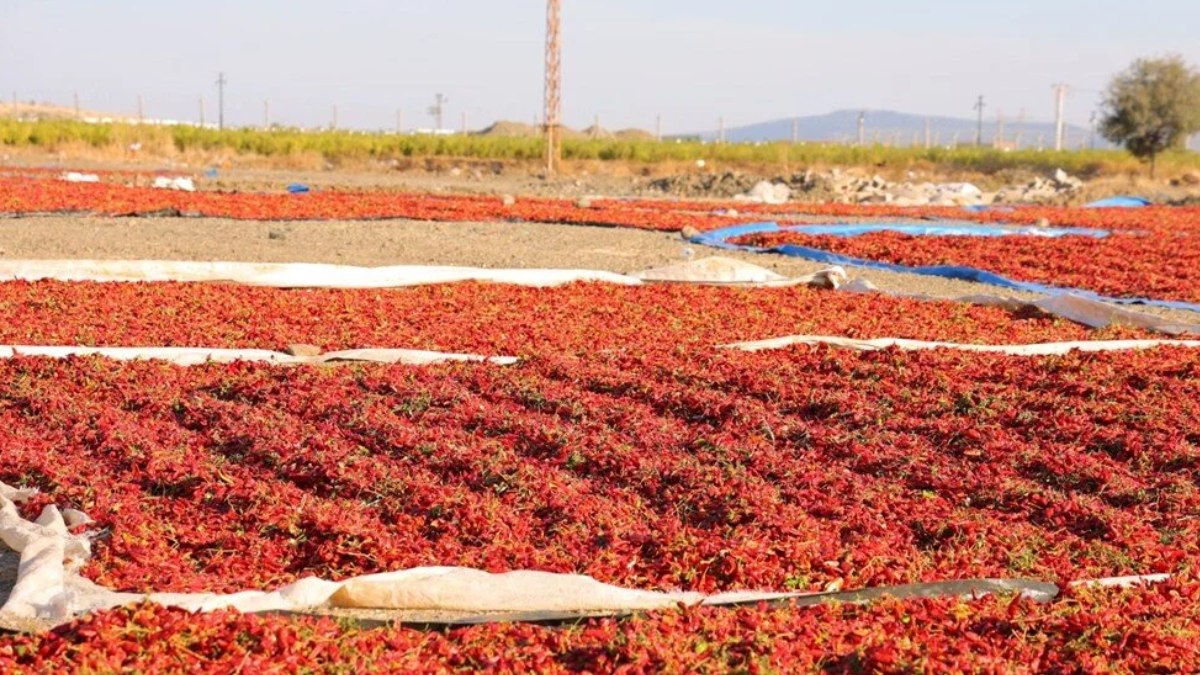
pixel 1152 107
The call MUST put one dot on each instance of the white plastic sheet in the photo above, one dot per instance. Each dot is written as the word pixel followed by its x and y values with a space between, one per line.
pixel 720 271
pixel 77 177
pixel 181 183
pixel 191 356
pixel 1042 349
pixel 289 275
pixel 713 270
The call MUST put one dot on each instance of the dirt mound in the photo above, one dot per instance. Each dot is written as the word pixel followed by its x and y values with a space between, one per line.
pixel 48 111
pixel 596 132
pixel 633 135
pixel 505 129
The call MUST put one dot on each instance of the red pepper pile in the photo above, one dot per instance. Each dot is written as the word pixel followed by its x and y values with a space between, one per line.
pixel 707 471
pixel 493 318
pixel 1161 261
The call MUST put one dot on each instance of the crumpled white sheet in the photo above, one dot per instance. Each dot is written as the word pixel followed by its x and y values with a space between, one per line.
pixel 49 588
pixel 191 356
pixel 721 271
pixel 1041 349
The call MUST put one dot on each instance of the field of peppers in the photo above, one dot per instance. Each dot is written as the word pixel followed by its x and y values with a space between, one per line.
pixel 624 445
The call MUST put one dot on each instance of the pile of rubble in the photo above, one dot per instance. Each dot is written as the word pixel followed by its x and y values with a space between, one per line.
pixel 717 185
pixel 846 187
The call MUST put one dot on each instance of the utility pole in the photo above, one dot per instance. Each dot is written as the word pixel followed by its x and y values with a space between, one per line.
pixel 1060 102
pixel 221 82
pixel 399 121
pixel 721 130
pixel 201 112
pixel 596 126
pixel 862 128
pixel 334 124
pixel 795 130
pixel 266 113
pixel 553 91
pixel 658 128
pixel 1092 123
pixel 464 124
pixel 438 109
pixel 999 129
pixel 928 134
pixel 77 113
pixel 979 105
pixel 141 111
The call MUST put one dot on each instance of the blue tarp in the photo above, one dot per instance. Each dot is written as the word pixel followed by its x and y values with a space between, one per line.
pixel 1119 202
pixel 943 229
pixel 297 188
pixel 720 239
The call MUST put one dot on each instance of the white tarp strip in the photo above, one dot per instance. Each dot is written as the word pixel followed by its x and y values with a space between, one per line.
pixel 712 271
pixel 289 275
pixel 1043 349
pixel 1122 582
pixel 191 356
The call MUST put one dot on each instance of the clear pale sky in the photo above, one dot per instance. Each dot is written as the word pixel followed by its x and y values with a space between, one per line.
pixel 625 60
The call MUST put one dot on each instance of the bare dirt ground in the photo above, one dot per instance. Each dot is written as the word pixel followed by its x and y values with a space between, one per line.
pixel 393 242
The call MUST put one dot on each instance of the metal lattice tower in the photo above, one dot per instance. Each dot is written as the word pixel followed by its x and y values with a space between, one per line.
pixel 553 112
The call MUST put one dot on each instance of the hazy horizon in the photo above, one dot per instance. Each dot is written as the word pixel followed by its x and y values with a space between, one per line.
pixel 690 62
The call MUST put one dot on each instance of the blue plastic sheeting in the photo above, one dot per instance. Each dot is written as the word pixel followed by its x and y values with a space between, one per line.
pixel 1119 203
pixel 297 188
pixel 943 229
pixel 980 208
pixel 720 239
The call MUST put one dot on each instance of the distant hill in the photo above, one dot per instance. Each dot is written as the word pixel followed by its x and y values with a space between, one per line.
pixel 890 127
